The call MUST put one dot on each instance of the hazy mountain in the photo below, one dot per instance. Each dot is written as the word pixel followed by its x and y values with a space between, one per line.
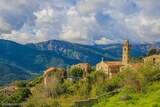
pixel 18 62
pixel 69 50
pixel 26 59
pixel 31 59
pixel 136 49
pixel 91 53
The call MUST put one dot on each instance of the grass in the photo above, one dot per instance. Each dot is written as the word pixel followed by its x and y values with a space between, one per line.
pixel 151 98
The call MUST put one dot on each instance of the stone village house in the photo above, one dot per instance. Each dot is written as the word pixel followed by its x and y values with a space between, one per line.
pixel 8 90
pixel 86 67
pixel 155 59
pixel 52 73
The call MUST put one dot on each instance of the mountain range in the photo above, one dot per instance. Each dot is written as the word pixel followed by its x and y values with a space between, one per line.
pixel 18 61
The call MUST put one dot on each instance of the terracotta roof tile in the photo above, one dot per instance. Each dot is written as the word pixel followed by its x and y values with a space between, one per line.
pixel 114 63
pixel 11 88
pixel 49 70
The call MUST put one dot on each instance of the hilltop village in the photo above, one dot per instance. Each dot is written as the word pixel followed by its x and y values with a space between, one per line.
pixel 110 68
pixel 109 84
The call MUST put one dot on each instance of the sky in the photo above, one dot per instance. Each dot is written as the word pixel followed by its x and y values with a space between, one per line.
pixel 80 21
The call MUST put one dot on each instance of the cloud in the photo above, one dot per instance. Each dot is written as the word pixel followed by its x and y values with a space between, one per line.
pixel 104 41
pixel 19 37
pixel 149 7
pixel 80 21
pixel 144 29
pixel 45 15
pixel 4 26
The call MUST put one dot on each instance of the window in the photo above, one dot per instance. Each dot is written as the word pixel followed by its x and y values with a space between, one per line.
pixel 124 49
pixel 101 68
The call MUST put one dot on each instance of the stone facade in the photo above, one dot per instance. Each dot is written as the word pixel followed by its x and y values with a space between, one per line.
pixel 126 52
pixel 155 59
pixel 113 67
pixel 110 68
pixel 52 73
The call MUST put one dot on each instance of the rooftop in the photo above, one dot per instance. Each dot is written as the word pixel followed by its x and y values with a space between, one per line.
pixel 152 56
pixel 49 70
pixel 114 63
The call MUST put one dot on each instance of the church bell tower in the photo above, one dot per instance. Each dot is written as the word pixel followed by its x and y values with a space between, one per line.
pixel 126 52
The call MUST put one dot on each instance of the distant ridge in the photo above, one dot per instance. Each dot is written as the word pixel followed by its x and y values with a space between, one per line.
pixel 36 57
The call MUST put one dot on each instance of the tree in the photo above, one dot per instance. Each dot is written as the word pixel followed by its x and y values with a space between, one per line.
pixel 65 74
pixel 21 84
pixel 153 51
pixel 76 72
pixel 35 81
pixel 131 79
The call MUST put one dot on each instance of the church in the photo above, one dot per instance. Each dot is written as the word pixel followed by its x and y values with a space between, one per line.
pixel 113 67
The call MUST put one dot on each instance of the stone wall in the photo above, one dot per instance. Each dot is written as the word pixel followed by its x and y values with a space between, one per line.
pixel 92 101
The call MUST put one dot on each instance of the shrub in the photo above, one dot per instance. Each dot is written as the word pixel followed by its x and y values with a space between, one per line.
pixel 21 84
pixel 36 81
pixel 18 96
pixel 150 71
pixel 111 87
pixel 131 79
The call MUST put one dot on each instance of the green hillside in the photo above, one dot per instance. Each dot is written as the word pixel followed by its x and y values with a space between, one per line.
pixel 135 86
pixel 150 98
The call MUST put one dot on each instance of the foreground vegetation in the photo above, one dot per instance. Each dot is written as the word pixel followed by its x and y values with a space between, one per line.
pixel 149 98
pixel 135 86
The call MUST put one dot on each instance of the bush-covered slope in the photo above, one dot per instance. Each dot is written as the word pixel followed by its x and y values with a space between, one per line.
pixel 135 86
pixel 149 99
